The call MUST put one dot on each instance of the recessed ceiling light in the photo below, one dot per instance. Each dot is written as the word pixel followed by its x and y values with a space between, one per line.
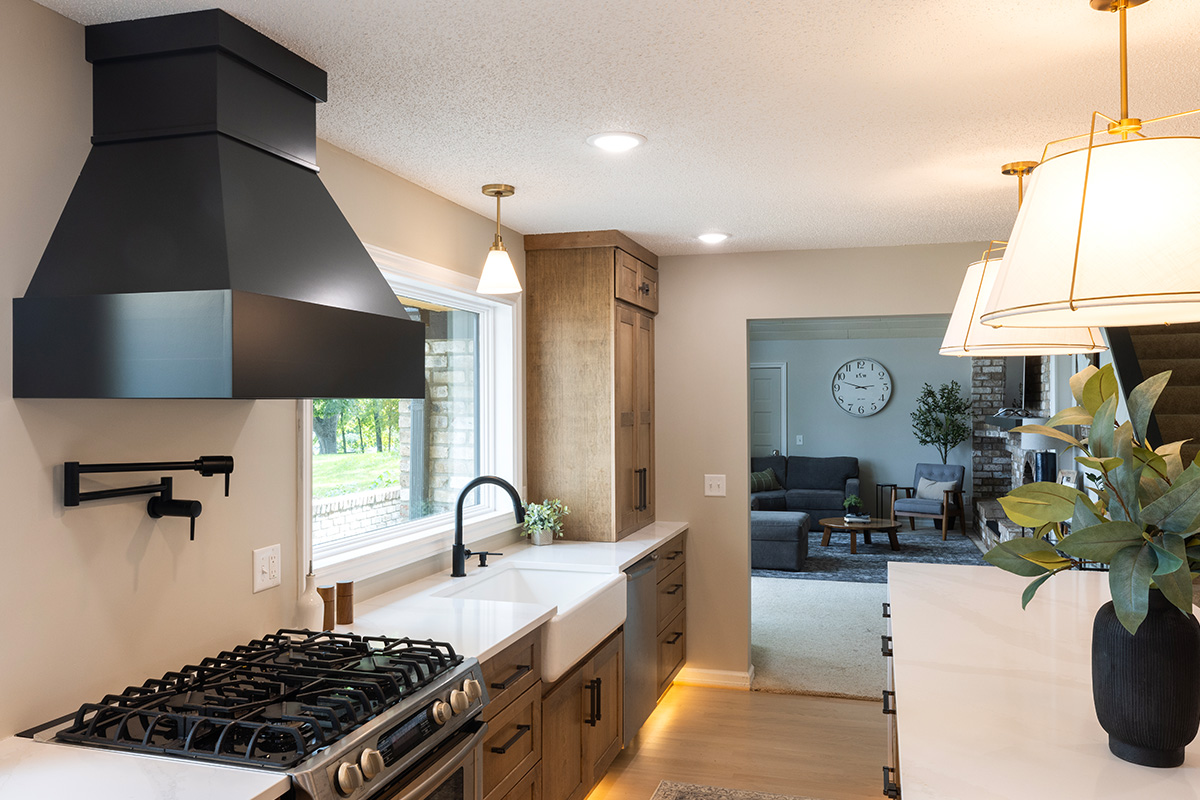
pixel 616 141
pixel 713 238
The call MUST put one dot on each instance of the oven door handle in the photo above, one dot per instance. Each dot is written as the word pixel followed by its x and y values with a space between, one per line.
pixel 447 764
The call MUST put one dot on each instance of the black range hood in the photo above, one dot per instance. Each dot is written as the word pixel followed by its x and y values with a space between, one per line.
pixel 199 255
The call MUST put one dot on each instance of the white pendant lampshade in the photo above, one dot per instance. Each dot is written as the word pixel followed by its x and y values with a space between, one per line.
pixel 967 336
pixel 498 276
pixel 1135 257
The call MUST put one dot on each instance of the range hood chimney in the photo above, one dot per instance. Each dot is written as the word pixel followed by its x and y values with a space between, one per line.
pixel 199 255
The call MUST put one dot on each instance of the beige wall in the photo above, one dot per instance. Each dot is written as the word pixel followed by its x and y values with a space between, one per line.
pixel 701 395
pixel 104 581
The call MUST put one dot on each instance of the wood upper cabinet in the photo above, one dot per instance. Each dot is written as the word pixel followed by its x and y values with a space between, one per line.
pixel 636 282
pixel 590 379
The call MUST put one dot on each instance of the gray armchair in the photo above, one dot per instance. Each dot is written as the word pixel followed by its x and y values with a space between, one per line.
pixel 941 501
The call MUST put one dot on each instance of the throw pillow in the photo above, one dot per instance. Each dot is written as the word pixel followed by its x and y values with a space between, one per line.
pixel 764 481
pixel 932 490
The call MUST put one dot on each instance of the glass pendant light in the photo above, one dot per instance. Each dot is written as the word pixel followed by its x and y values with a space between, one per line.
pixel 499 276
pixel 967 336
pixel 1109 234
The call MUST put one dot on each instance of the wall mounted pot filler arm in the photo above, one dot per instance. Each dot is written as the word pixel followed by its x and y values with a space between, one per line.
pixel 163 504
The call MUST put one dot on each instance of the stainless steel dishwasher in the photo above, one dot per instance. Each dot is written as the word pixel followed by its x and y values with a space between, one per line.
pixel 641 643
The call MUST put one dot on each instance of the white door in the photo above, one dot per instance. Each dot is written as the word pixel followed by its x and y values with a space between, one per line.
pixel 768 404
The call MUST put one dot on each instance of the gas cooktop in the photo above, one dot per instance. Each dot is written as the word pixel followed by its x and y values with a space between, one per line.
pixel 269 703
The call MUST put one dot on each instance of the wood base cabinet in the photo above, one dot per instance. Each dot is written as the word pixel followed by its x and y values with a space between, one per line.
pixel 512 752
pixel 672 610
pixel 581 723
pixel 590 305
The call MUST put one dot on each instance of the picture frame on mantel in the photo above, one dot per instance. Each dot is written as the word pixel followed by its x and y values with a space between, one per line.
pixel 1068 477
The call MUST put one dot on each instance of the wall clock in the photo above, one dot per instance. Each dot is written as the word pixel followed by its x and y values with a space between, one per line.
pixel 862 387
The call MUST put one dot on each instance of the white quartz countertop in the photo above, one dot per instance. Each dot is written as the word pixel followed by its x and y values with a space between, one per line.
pixel 996 703
pixel 42 769
pixel 477 628
pixel 482 628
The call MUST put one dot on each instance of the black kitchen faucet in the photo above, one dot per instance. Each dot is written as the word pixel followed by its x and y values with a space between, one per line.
pixel 459 553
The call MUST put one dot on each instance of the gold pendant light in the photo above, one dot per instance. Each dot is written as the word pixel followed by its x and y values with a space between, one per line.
pixel 1108 235
pixel 967 336
pixel 499 276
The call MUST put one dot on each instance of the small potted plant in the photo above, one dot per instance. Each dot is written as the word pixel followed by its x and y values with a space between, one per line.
pixel 1142 519
pixel 544 520
pixel 854 506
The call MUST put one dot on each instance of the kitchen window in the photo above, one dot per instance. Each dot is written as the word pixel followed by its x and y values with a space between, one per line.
pixel 380 478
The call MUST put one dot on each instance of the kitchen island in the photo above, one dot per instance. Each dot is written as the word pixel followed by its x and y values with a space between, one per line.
pixel 995 703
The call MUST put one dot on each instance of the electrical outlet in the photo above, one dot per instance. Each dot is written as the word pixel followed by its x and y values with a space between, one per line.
pixel 267 570
pixel 714 485
pixel 799 440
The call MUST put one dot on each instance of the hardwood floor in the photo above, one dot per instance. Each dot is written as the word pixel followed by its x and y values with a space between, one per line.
pixel 818 747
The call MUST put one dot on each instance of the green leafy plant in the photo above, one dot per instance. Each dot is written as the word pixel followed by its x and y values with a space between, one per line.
pixel 1144 521
pixel 852 502
pixel 942 418
pixel 544 516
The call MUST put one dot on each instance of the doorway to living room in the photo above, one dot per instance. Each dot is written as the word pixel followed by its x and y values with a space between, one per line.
pixel 816 599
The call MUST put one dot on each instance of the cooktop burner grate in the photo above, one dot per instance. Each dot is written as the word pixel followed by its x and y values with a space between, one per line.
pixel 272 702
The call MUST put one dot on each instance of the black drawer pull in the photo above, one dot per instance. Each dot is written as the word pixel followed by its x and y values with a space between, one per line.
pixel 521 731
pixel 674 589
pixel 522 671
pixel 887 610
pixel 890 788
pixel 678 635
pixel 885 645
pixel 674 555
pixel 889 702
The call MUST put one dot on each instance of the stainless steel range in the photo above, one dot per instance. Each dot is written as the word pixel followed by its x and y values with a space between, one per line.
pixel 346 716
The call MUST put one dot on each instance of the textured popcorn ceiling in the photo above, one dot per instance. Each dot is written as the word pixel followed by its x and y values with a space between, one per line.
pixel 791 124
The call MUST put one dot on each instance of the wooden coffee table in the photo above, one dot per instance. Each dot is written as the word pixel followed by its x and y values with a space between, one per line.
pixel 832 524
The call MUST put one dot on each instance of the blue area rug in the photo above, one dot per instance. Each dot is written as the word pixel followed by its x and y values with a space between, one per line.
pixel 869 565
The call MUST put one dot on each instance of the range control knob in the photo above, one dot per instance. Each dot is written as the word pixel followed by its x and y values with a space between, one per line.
pixel 472 689
pixel 371 763
pixel 459 702
pixel 440 712
pixel 348 779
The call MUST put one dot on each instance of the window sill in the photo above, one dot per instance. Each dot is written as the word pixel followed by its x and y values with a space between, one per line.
pixel 372 560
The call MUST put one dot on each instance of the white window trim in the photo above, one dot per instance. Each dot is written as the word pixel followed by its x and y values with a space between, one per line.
pixel 500 384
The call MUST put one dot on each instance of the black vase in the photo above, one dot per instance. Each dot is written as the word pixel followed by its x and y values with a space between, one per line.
pixel 1146 686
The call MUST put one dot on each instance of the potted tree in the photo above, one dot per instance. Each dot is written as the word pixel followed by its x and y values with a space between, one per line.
pixel 544 520
pixel 942 418
pixel 1142 519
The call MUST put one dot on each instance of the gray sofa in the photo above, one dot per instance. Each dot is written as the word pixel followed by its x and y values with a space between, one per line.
pixel 816 486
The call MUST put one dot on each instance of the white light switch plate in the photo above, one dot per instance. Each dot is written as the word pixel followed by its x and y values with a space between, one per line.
pixel 799 440
pixel 267 572
pixel 714 485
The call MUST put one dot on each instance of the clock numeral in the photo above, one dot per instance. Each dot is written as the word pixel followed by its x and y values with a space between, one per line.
pixel 837 387
pixel 874 407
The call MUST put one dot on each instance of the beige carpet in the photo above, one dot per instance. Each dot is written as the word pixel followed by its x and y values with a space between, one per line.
pixel 817 637
pixel 670 790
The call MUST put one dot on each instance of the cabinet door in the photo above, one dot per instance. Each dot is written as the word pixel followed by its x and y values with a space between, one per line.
pixel 607 682
pixel 645 416
pixel 564 710
pixel 627 479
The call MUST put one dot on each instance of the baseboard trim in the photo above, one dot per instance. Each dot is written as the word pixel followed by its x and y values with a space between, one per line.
pixel 716 678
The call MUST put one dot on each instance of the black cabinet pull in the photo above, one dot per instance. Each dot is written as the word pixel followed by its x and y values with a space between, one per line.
pixel 885 645
pixel 887 610
pixel 676 554
pixel 889 702
pixel 522 671
pixel 521 731
pixel 593 687
pixel 643 480
pixel 599 699
pixel 678 635
pixel 891 788
pixel 674 590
